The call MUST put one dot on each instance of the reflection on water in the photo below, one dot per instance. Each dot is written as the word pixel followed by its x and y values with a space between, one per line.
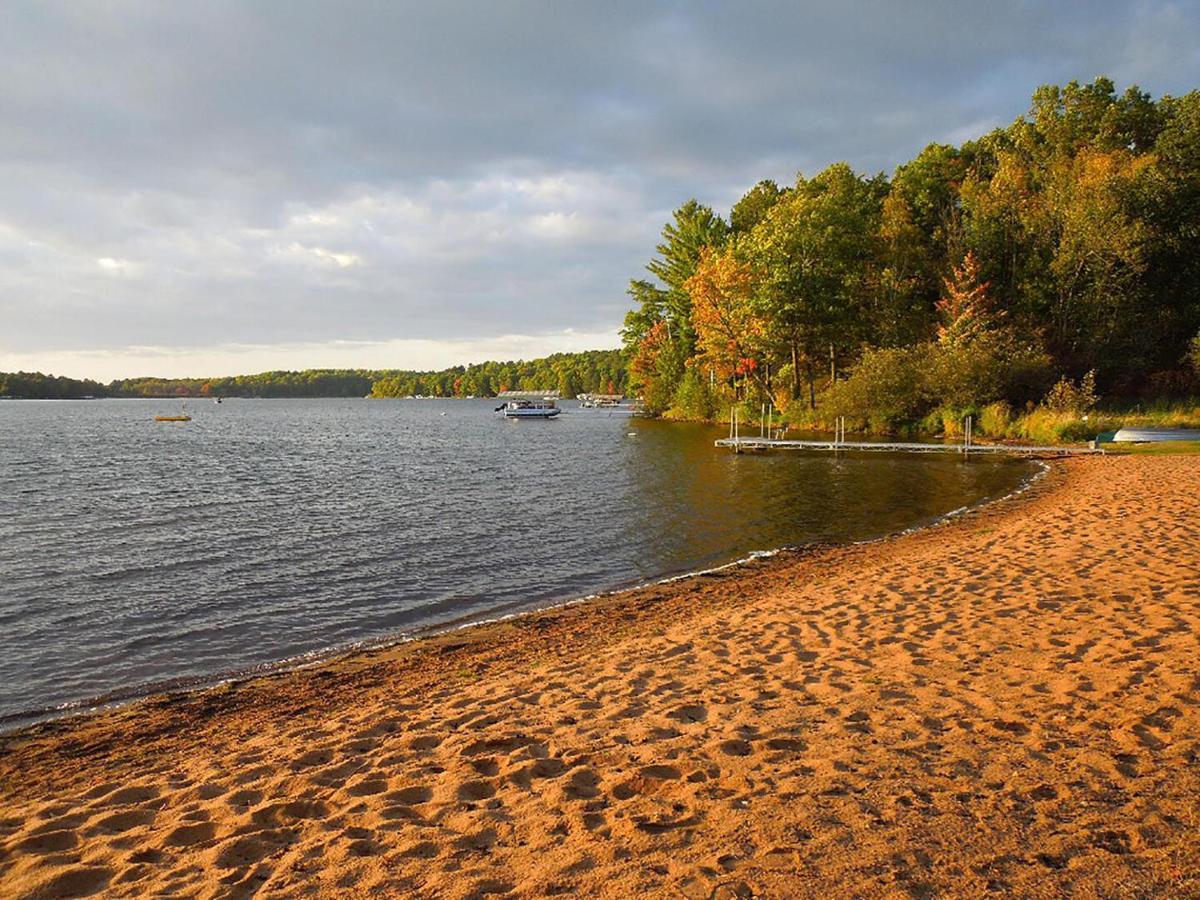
pixel 134 552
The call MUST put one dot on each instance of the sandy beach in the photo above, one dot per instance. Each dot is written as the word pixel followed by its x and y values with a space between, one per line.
pixel 1003 703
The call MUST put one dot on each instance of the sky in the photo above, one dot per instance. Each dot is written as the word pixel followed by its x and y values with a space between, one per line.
pixel 207 188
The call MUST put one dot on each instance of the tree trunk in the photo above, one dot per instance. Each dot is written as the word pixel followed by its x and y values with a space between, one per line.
pixel 795 370
pixel 832 365
pixel 812 391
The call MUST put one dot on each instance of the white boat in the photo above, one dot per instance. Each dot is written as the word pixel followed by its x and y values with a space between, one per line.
pixel 1154 435
pixel 529 409
pixel 598 401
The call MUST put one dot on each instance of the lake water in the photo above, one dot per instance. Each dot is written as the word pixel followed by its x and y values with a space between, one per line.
pixel 138 555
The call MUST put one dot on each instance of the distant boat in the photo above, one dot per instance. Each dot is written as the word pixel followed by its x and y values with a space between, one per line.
pixel 529 409
pixel 599 401
pixel 182 417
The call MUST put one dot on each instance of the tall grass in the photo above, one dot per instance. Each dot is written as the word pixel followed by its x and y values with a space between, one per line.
pixel 1044 426
pixel 998 421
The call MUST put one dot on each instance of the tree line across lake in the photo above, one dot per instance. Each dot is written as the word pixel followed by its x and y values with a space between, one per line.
pixel 594 371
pixel 1033 270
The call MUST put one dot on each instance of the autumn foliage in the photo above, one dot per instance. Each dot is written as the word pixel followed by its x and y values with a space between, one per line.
pixel 965 306
pixel 1060 245
pixel 729 333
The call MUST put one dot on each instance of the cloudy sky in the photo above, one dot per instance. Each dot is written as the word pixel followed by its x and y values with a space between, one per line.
pixel 191 188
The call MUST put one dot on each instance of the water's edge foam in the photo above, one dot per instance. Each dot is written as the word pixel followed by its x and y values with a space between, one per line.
pixel 12 723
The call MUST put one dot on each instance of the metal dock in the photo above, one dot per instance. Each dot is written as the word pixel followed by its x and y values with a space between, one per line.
pixel 744 444
pixel 765 441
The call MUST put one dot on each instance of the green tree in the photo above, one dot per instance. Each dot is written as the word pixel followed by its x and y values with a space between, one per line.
pixel 754 206
pixel 811 252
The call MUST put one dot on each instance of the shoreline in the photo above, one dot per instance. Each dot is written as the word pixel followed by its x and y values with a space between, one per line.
pixel 121 699
pixel 1005 701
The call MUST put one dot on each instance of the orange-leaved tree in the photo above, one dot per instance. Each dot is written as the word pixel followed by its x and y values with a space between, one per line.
pixel 729 332
pixel 965 308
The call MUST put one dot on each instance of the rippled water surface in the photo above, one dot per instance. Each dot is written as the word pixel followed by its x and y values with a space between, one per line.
pixel 136 553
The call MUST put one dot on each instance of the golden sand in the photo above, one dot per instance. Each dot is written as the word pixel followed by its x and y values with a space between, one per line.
pixel 1004 703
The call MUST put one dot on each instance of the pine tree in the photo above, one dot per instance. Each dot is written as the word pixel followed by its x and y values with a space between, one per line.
pixel 965 307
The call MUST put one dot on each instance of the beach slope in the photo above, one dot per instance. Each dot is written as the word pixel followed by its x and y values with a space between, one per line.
pixel 1005 703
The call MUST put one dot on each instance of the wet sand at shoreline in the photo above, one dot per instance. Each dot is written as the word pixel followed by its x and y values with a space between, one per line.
pixel 1006 702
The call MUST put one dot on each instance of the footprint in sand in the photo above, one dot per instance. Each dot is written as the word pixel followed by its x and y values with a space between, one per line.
pixel 735 747
pixel 189 835
pixel 210 791
pixel 72 820
pixel 101 790
pixel 367 787
pixel 425 743
pixel 480 840
pixel 487 767
pixel 244 798
pixel 147 855
pixel 584 784
pixel 248 849
pixel 690 713
pixel 311 759
pixel 788 745
pixel 78 881
pixel 496 745
pixel 130 795
pixel 474 791
pixel 550 767
pixel 123 821
pixel 48 842
pixel 291 810
pixel 422 850
pixel 410 795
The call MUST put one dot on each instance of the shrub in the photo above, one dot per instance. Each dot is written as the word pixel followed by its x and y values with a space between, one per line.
pixel 994 366
pixel 932 423
pixel 933 386
pixel 1068 397
pixel 952 421
pixel 693 399
pixel 996 420
pixel 888 388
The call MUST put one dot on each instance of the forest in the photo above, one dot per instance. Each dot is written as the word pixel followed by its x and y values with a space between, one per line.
pixel 570 373
pixel 1041 273
pixel 589 371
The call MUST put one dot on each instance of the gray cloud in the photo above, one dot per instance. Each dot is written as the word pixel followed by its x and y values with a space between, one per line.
pixel 195 174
